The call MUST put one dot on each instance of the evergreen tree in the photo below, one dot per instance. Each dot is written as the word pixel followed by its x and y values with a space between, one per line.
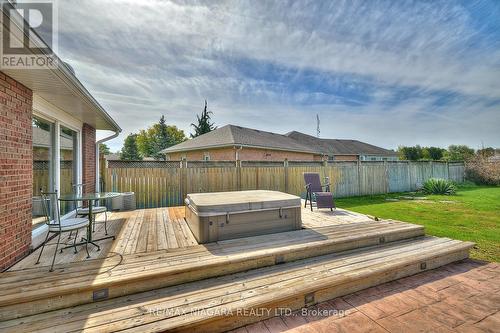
pixel 158 137
pixel 204 124
pixel 104 149
pixel 129 151
pixel 161 140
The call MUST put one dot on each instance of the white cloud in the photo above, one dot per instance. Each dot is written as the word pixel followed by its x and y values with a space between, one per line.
pixel 142 59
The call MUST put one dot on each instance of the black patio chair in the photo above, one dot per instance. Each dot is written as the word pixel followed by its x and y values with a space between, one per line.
pixel 57 226
pixel 317 192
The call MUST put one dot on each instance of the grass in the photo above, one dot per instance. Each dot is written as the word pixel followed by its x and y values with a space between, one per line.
pixel 473 214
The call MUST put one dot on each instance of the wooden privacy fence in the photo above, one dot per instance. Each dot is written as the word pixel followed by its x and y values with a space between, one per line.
pixel 159 184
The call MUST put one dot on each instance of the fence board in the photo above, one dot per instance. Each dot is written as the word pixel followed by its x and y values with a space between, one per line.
pixel 159 185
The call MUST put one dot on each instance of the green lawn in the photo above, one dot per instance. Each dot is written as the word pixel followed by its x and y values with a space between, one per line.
pixel 473 214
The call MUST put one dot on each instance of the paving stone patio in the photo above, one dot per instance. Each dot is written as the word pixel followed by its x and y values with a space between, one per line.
pixel 459 297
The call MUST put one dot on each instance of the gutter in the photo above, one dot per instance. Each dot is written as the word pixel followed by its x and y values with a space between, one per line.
pixel 67 75
pixel 97 171
pixel 87 97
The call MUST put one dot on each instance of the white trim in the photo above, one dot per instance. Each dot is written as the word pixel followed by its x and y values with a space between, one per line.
pixel 62 72
pixel 46 110
pixel 57 156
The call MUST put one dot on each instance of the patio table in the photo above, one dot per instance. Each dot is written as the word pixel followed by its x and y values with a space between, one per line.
pixel 89 198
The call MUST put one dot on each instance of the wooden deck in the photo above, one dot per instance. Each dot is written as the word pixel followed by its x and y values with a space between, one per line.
pixel 150 230
pixel 459 297
pixel 156 264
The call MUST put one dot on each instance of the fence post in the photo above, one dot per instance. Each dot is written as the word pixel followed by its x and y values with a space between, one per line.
pixel 238 175
pixel 447 170
pixel 359 175
pixel 102 172
pixel 386 171
pixel 183 180
pixel 409 175
pixel 285 171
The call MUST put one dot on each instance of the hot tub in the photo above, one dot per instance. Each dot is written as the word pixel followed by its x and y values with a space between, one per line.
pixel 227 215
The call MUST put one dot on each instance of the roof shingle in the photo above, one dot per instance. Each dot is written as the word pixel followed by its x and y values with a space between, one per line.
pixel 339 146
pixel 232 135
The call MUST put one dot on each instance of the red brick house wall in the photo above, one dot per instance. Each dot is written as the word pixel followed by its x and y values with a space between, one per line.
pixel 253 154
pixel 89 158
pixel 346 157
pixel 245 154
pixel 16 170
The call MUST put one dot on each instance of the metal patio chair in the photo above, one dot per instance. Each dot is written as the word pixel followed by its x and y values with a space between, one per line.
pixel 96 209
pixel 50 202
pixel 317 192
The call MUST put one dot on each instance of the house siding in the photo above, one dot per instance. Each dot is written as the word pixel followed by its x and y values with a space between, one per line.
pixel 89 158
pixel 245 154
pixel 16 170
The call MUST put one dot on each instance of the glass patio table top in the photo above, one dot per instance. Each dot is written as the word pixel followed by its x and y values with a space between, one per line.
pixel 88 196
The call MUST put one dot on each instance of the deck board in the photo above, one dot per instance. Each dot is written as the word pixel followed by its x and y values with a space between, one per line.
pixel 149 230
pixel 156 263
pixel 154 248
pixel 281 284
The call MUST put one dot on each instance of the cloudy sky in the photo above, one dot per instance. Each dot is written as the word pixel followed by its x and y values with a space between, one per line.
pixel 385 72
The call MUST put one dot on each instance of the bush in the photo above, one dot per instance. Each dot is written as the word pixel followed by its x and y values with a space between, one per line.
pixel 439 186
pixel 482 172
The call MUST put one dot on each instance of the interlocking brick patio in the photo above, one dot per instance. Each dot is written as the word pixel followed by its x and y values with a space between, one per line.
pixel 459 297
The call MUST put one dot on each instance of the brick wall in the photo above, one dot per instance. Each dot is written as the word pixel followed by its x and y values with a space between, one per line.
pixel 245 154
pixel 16 170
pixel 89 158
pixel 346 157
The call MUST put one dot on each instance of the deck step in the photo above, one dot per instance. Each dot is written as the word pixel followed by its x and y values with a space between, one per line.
pixel 212 304
pixel 35 290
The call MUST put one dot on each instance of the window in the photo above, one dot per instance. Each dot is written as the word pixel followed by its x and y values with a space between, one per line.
pixel 43 166
pixel 331 158
pixel 206 156
pixel 68 165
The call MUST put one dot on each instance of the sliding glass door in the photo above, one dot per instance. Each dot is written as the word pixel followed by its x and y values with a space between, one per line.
pixel 43 165
pixel 68 165
pixel 55 164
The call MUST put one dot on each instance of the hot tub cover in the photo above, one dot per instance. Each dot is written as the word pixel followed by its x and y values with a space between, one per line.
pixel 218 203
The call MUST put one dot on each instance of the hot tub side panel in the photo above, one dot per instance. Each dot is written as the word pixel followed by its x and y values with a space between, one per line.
pixel 238 225
pixel 259 223
pixel 197 225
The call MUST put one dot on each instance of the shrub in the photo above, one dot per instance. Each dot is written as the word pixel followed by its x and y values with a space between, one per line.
pixel 482 172
pixel 439 186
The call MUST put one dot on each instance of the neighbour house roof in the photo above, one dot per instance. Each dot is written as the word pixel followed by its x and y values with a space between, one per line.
pixel 231 135
pixel 57 84
pixel 339 146
pixel 112 157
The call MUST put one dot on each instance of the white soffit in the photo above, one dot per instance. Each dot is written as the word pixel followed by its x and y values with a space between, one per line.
pixel 60 87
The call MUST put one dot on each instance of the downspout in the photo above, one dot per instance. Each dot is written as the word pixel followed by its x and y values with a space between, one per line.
pixel 98 183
